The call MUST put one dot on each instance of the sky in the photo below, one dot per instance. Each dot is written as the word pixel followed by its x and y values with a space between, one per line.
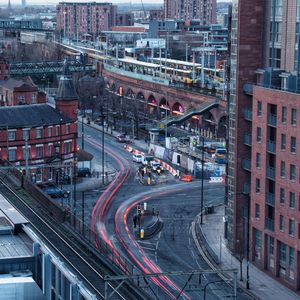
pixel 4 2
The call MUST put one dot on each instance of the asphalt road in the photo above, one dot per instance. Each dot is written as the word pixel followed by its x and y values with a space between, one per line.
pixel 173 248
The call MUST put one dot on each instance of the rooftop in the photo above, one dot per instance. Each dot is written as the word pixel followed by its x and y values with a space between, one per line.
pixel 24 83
pixel 35 115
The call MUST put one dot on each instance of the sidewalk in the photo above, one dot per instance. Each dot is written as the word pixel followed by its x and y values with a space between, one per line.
pixel 261 285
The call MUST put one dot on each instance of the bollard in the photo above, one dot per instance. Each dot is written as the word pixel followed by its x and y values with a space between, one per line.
pixel 142 233
pixel 149 180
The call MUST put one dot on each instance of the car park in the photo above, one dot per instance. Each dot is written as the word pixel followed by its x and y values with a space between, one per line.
pixel 137 158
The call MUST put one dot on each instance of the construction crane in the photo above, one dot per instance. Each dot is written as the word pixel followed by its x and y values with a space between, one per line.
pixel 145 14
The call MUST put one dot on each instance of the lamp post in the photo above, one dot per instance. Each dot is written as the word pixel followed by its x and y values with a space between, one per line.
pixel 82 133
pixel 202 180
pixel 103 117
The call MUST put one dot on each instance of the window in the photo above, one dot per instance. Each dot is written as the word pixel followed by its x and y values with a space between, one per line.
pixel 11 135
pixel 282 196
pixel 67 147
pixel 67 128
pixel 257 211
pixel 257 243
pixel 26 155
pixel 259 108
pixel 38 133
pixel 282 254
pixel 39 151
pixel 21 99
pixel 12 154
pixel 257 185
pixel 298 231
pixel 281 223
pixel 282 169
pixel 57 130
pixel 258 160
pixel 283 114
pixel 283 142
pixel 26 133
pixel 293 144
pixel 292 172
pixel 258 134
pixel 291 227
pixel 292 199
pixel 50 150
pixel 33 99
pixel 49 131
pixel 292 259
pixel 271 245
pixel 294 117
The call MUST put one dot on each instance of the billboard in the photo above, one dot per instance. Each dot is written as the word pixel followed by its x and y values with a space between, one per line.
pixel 151 43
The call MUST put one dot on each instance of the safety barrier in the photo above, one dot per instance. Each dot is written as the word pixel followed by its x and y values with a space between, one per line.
pixel 187 178
pixel 217 179
pixel 165 165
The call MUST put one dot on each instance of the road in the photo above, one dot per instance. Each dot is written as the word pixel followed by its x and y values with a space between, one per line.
pixel 172 249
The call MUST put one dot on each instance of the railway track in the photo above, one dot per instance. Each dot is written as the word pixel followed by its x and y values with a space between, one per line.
pixel 64 243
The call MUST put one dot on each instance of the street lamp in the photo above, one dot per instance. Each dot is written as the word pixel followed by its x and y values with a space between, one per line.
pixel 202 180
pixel 103 117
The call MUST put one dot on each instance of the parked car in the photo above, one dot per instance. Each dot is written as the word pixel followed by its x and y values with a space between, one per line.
pixel 121 138
pixel 83 172
pixel 137 158
pixel 54 191
pixel 65 179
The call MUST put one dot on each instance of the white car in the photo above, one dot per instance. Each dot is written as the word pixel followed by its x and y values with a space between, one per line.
pixel 137 158
pixel 156 165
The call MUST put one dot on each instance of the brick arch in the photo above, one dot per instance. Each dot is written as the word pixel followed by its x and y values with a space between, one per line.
pixel 164 107
pixel 152 105
pixel 176 108
pixel 130 93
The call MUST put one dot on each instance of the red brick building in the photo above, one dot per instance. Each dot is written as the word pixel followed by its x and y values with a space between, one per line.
pixel 263 205
pixel 20 91
pixel 40 138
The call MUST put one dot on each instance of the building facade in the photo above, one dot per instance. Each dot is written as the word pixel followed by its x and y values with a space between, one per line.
pixel 205 10
pixel 40 139
pixel 263 170
pixel 76 19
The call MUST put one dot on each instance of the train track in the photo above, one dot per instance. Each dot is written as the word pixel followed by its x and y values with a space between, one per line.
pixel 83 262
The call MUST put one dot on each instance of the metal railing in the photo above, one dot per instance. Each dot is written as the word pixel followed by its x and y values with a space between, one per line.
pixel 272 120
pixel 246 188
pixel 271 172
pixel 248 139
pixel 246 164
pixel 271 147
pixel 248 114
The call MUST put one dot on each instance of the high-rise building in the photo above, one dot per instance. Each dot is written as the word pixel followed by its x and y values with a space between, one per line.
pixel 79 19
pixel 205 10
pixel 262 213
pixel 23 3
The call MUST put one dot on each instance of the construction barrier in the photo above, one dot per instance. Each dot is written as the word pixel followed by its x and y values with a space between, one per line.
pixel 216 180
pixel 187 178
pixel 164 164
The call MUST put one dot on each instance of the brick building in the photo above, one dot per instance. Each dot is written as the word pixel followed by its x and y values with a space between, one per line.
pixel 204 10
pixel 40 138
pixel 125 19
pixel 76 19
pixel 263 205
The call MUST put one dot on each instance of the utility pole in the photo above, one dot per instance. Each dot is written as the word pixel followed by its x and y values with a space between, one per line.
pixel 26 154
pixel 202 180
pixel 82 133
pixel 103 117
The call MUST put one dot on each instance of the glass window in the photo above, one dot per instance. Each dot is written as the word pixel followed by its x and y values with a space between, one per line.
pixel 291 227
pixel 292 172
pixel 292 259
pixel 293 144
pixel 283 142
pixel 12 154
pixel 271 245
pixel 258 134
pixel 33 99
pixel 257 185
pixel 294 117
pixel 26 134
pixel 57 130
pixel 21 99
pixel 283 114
pixel 50 150
pixel 11 135
pixel 281 223
pixel 282 169
pixel 259 108
pixel 25 154
pixel 299 231
pixel 282 254
pixel 38 133
pixel 67 128
pixel 292 199
pixel 282 195
pixel 258 160
pixel 49 131
pixel 257 211
pixel 39 151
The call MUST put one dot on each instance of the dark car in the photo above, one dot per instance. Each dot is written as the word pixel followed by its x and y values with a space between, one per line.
pixel 83 172
pixel 54 191
pixel 65 179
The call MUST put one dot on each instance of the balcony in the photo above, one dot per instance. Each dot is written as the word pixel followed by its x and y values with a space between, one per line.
pixel 269 224
pixel 272 120
pixel 248 139
pixel 270 199
pixel 248 89
pixel 246 164
pixel 246 188
pixel 270 173
pixel 271 147
pixel 248 114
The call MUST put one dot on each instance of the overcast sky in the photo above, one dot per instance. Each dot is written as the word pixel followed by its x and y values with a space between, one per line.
pixel 4 2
